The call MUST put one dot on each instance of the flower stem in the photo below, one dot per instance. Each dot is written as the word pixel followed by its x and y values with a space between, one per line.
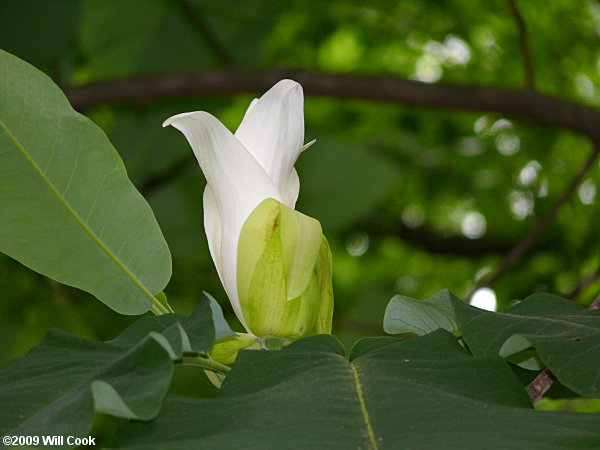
pixel 195 359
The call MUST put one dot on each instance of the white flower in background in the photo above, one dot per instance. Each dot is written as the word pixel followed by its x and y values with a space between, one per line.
pixel 273 261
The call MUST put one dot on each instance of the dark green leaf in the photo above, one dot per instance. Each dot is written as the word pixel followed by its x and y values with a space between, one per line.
pixel 206 324
pixel 222 329
pixel 418 393
pixel 58 386
pixel 565 335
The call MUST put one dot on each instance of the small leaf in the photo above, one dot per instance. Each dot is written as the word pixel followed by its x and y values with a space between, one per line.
pixel 162 298
pixel 200 326
pixel 406 315
pixel 226 350
pixel 222 329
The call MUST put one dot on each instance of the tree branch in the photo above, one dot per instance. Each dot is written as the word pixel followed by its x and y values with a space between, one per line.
pixel 540 227
pixel 583 284
pixel 540 385
pixel 524 43
pixel 434 242
pixel 540 108
pixel 595 304
pixel 205 32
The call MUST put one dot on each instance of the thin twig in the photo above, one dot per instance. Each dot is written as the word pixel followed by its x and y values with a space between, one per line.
pixel 544 380
pixel 196 359
pixel 543 109
pixel 205 32
pixel 584 284
pixel 540 227
pixel 540 385
pixel 595 304
pixel 524 43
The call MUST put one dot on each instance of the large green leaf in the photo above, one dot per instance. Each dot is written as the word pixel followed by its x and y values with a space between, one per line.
pixel 407 315
pixel 565 335
pixel 67 208
pixel 421 393
pixel 61 383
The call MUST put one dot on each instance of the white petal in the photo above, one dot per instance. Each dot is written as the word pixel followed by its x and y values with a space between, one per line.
pixel 250 106
pixel 237 184
pixel 273 131
pixel 291 190
pixel 305 146
pixel 212 226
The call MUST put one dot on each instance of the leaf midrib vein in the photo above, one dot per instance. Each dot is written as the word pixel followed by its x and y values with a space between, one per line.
pixel 77 218
pixel 363 406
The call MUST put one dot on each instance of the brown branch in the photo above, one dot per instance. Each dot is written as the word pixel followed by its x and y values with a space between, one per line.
pixel 205 32
pixel 422 237
pixel 378 224
pixel 595 304
pixel 540 384
pixel 524 43
pixel 540 227
pixel 540 108
pixel 584 284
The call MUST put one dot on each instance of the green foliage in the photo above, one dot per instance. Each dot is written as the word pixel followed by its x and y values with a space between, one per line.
pixel 68 378
pixel 69 211
pixel 406 315
pixel 391 391
pixel 386 391
pixel 565 335
pixel 412 201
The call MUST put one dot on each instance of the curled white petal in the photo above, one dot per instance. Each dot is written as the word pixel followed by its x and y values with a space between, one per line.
pixel 237 183
pixel 273 131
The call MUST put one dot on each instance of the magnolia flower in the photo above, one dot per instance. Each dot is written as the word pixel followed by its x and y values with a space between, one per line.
pixel 273 261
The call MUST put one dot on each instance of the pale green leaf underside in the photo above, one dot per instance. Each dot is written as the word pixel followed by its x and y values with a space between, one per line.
pixel 406 315
pixel 67 208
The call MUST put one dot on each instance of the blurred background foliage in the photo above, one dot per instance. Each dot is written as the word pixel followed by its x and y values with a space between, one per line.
pixel 412 199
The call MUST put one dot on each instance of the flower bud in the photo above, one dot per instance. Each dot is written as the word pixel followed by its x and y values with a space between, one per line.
pixel 284 273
